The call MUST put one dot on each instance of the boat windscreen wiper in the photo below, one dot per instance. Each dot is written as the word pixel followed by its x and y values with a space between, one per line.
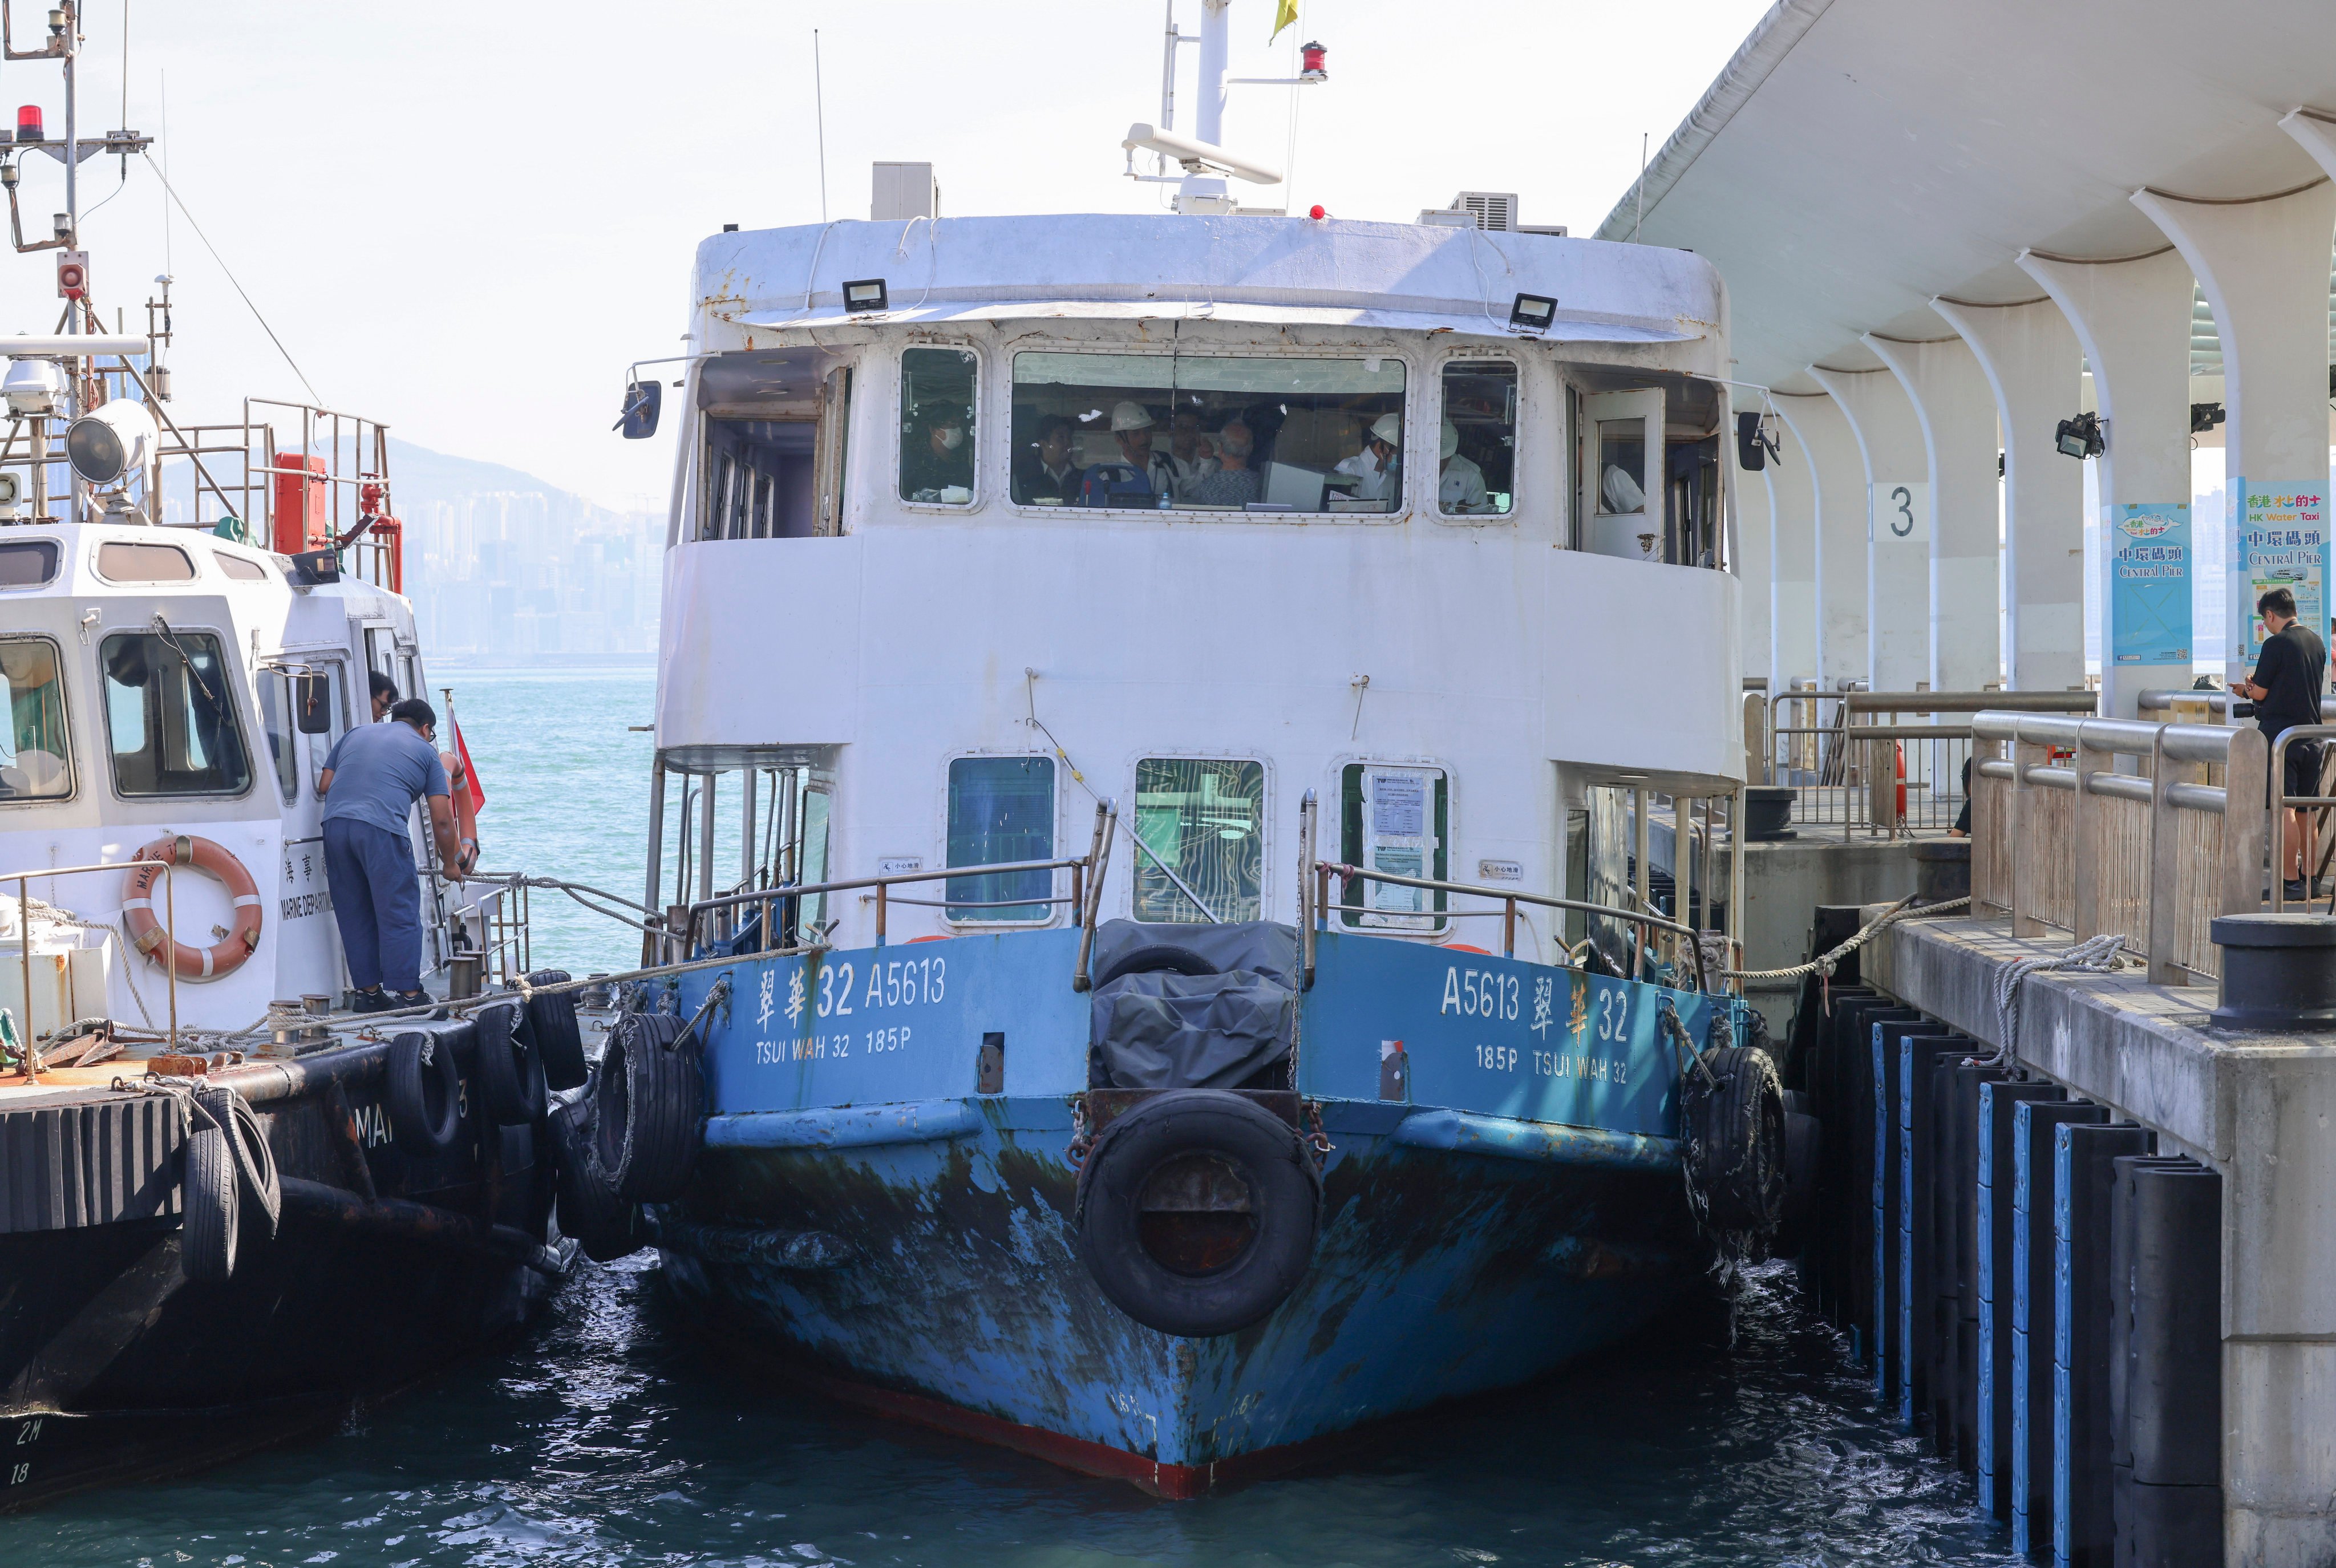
pixel 163 629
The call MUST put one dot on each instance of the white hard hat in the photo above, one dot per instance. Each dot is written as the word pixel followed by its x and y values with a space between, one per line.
pixel 1130 416
pixel 1388 427
pixel 1451 442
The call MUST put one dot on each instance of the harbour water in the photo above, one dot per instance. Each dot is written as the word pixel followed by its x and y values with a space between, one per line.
pixel 611 1437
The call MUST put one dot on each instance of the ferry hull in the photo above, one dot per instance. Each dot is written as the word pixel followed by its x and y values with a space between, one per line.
pixel 941 1282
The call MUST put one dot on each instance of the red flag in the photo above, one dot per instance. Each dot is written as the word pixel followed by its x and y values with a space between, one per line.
pixel 470 772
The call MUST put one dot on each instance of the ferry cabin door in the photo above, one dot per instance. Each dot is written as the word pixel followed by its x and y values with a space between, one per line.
pixel 1621 470
pixel 301 719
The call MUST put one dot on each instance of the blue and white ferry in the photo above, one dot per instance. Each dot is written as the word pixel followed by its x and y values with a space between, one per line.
pixel 1150 708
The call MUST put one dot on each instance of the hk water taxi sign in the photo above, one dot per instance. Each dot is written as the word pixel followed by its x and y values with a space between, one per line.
pixel 2150 582
pixel 2280 541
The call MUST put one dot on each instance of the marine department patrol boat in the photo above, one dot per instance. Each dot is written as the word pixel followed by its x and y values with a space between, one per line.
pixel 1155 760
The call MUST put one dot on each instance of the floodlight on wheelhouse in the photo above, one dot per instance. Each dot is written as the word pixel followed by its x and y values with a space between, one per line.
pixel 869 294
pixel 1533 312
pixel 108 444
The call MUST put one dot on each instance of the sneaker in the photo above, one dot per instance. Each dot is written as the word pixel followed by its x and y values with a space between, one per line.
pixel 402 1000
pixel 375 1000
pixel 2295 891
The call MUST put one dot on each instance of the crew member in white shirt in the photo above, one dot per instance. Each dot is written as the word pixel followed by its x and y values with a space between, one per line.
pixel 1379 467
pixel 1460 484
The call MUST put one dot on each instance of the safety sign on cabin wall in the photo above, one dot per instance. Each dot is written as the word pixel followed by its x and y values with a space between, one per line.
pixel 2281 540
pixel 2149 579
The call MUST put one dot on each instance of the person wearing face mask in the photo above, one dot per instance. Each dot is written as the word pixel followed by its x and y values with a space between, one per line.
pixel 1377 469
pixel 1046 472
pixel 1460 483
pixel 1234 482
pixel 942 462
pixel 1189 456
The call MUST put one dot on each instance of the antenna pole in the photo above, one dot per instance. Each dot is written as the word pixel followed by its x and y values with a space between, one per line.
pixel 72 140
pixel 1216 30
pixel 819 100
pixel 1641 216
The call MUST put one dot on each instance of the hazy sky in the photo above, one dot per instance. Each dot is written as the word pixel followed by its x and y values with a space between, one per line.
pixel 466 219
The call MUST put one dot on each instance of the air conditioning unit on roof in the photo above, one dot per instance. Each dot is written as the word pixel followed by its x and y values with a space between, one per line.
pixel 1490 208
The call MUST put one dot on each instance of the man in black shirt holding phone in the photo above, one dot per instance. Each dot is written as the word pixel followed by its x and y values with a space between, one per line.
pixel 2290 674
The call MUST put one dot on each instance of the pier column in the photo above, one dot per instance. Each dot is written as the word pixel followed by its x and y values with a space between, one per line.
pixel 2132 318
pixel 1898 523
pixel 1793 563
pixel 2262 266
pixel 1755 558
pixel 1955 410
pixel 2035 368
pixel 1837 476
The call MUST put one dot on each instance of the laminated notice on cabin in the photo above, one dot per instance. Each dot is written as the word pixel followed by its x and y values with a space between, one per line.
pixel 1399 807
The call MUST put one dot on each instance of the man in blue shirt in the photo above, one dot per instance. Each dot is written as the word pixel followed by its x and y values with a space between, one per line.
pixel 372 778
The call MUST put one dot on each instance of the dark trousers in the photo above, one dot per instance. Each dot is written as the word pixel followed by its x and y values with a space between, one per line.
pixel 377 902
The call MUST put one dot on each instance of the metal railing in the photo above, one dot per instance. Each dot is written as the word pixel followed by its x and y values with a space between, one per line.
pixel 2313 808
pixel 27 1068
pixel 2062 839
pixel 1880 763
pixel 507 950
pixel 705 918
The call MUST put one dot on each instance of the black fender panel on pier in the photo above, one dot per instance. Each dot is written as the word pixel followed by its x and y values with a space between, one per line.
pixel 92 1162
pixel 1196 1211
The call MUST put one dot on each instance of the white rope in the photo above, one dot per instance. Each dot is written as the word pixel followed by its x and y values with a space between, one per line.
pixel 1825 963
pixel 2098 955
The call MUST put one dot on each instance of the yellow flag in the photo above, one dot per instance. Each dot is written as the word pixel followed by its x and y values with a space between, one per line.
pixel 1285 12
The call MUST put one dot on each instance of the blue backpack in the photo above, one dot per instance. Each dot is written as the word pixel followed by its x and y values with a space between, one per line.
pixel 1116 484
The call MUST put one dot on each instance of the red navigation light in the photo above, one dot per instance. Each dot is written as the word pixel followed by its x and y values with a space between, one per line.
pixel 1316 212
pixel 28 123
pixel 1311 66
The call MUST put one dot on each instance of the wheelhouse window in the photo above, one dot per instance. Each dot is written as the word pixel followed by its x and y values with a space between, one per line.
pixel 937 420
pixel 1396 820
pixel 1001 809
pixel 123 561
pixel 243 569
pixel 27 562
pixel 37 761
pixel 275 723
pixel 1190 433
pixel 759 479
pixel 170 715
pixel 1202 823
pixel 328 691
pixel 1477 445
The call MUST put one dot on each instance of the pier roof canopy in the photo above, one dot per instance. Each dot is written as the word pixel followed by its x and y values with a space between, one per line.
pixel 1857 157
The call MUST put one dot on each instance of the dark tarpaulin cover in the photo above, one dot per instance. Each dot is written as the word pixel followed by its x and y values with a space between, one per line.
pixel 1164 1031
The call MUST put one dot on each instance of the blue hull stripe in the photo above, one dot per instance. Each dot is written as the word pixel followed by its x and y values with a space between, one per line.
pixel 845 1127
pixel 1463 1132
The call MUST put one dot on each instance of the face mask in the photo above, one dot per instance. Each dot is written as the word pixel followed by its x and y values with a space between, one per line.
pixel 952 438
pixel 1238 449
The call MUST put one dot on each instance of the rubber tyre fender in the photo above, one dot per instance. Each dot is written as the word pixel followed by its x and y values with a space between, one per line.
pixel 1735 1126
pixel 1285 1192
pixel 511 1070
pixel 1152 957
pixel 212 1206
pixel 254 1162
pixel 605 1227
pixel 552 1027
pixel 648 1107
pixel 423 1094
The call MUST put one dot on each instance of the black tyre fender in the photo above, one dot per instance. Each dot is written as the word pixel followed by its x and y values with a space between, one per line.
pixel 511 1070
pixel 586 1207
pixel 1152 957
pixel 422 1094
pixel 648 1106
pixel 257 1180
pixel 551 1027
pixel 1733 1112
pixel 211 1204
pixel 1160 1215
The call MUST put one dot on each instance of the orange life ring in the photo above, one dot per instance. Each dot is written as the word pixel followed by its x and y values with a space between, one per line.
pixel 466 813
pixel 146 932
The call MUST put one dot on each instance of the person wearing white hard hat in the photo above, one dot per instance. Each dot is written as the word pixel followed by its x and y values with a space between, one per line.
pixel 1377 469
pixel 1131 426
pixel 1460 483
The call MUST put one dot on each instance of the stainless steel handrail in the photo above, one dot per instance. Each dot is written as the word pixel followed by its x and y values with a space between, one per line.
pixel 25 936
pixel 2311 805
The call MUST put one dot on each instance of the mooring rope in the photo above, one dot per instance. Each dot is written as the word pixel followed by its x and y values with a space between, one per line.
pixel 1825 963
pixel 2098 955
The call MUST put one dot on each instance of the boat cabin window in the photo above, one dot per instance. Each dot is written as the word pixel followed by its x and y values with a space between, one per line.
pixel 275 721
pixel 937 411
pixel 758 479
pixel 1397 819
pixel 27 562
pixel 119 560
pixel 36 762
pixel 1001 809
pixel 332 682
pixel 1621 467
pixel 1202 824
pixel 1189 432
pixel 169 714
pixel 817 816
pixel 243 569
pixel 1477 449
